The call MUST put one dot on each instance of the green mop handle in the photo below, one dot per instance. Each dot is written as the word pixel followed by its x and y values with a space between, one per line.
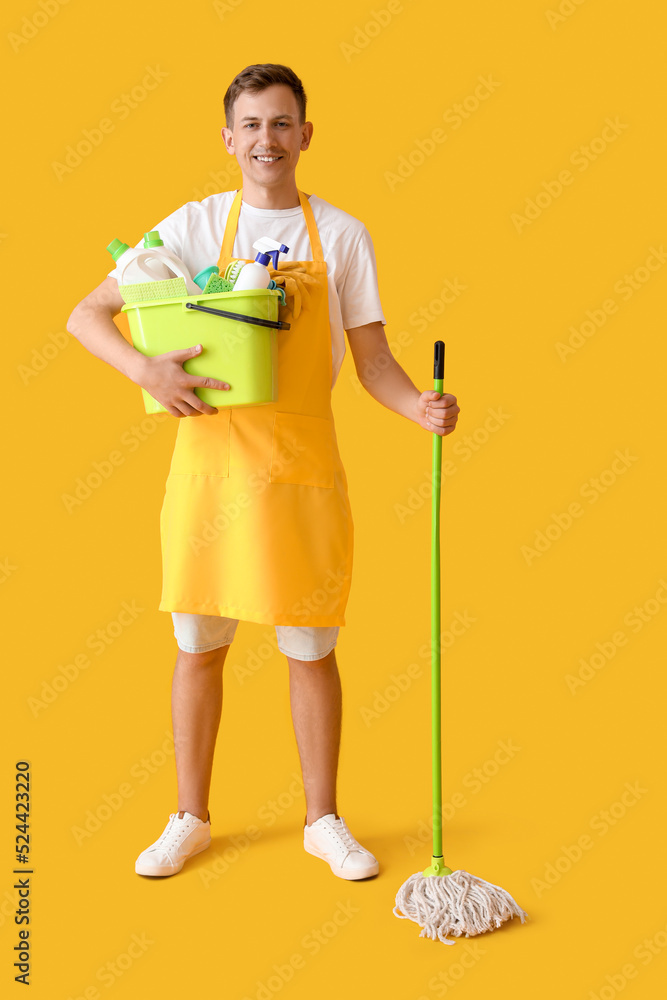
pixel 437 866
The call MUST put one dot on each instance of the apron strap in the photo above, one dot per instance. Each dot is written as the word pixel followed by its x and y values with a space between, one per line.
pixel 230 228
pixel 233 218
pixel 313 235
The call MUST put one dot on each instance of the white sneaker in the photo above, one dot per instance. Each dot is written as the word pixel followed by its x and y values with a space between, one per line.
pixel 329 838
pixel 181 839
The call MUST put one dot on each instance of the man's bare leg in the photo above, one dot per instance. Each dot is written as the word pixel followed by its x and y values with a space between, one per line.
pixel 316 702
pixel 196 708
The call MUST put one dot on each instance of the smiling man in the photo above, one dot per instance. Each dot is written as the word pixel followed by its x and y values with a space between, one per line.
pixel 286 559
pixel 267 140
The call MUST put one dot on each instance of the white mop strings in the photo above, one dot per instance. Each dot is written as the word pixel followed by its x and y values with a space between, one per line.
pixel 457 904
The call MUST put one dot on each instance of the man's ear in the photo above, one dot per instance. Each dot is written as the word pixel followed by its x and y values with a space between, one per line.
pixel 228 139
pixel 306 135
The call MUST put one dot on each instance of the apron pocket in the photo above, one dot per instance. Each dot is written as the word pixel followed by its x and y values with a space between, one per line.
pixel 302 450
pixel 202 445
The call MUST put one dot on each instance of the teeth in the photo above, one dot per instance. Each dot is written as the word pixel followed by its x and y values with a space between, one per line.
pixel 267 159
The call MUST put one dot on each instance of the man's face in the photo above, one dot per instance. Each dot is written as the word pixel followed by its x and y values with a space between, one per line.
pixel 266 137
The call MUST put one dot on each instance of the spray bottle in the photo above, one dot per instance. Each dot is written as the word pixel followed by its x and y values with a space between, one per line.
pixel 256 274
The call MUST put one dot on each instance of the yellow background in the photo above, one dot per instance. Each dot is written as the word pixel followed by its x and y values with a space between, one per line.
pixel 374 95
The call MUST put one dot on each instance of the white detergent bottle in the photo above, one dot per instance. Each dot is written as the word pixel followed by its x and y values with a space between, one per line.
pixel 153 262
pixel 155 252
pixel 256 274
pixel 125 257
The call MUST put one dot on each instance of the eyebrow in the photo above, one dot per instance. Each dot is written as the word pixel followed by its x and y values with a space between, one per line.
pixel 254 118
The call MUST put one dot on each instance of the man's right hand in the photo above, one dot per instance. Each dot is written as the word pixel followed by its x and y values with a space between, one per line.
pixel 165 379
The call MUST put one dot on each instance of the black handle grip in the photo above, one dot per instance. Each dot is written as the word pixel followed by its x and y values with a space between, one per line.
pixel 241 317
pixel 439 359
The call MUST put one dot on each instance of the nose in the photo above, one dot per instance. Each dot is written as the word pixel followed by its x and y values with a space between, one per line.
pixel 265 137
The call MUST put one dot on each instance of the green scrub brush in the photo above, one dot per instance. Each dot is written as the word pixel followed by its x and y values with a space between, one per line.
pixel 233 269
pixel 440 900
pixel 144 291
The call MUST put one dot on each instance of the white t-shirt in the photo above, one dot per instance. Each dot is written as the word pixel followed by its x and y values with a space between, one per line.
pixel 196 230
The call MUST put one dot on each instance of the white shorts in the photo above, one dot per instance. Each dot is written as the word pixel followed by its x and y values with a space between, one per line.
pixel 199 633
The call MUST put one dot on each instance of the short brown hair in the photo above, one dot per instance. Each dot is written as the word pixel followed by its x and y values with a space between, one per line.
pixel 258 77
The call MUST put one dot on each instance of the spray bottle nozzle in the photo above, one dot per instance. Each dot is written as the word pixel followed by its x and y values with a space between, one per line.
pixel 268 251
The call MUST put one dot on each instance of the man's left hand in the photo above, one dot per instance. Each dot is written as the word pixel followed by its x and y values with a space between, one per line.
pixel 437 412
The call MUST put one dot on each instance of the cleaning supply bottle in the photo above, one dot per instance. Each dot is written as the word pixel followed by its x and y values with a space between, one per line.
pixel 156 251
pixel 201 278
pixel 256 274
pixel 125 258
pixel 153 262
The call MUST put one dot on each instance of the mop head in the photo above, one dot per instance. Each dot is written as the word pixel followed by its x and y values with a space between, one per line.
pixel 457 904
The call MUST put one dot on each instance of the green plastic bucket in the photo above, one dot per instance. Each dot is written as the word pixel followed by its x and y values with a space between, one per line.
pixel 243 354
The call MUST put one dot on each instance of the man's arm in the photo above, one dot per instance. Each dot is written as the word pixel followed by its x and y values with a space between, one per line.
pixel 381 375
pixel 163 376
pixel 91 322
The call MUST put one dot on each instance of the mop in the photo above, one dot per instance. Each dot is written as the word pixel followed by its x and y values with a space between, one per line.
pixel 440 900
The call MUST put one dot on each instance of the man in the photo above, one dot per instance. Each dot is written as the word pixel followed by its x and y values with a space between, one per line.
pixel 286 559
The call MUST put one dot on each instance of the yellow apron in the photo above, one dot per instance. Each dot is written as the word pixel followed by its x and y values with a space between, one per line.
pixel 256 521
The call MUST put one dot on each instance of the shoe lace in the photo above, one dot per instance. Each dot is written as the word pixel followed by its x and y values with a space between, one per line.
pixel 345 835
pixel 171 837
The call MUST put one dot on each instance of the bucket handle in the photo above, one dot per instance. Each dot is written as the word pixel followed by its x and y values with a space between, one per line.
pixel 254 320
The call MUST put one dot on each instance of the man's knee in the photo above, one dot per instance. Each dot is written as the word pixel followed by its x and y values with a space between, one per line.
pixel 329 659
pixel 206 658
